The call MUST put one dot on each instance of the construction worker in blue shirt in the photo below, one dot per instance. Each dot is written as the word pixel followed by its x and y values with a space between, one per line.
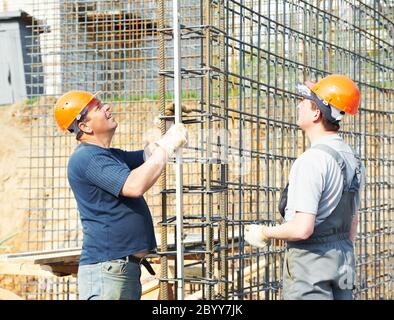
pixel 108 185
pixel 321 200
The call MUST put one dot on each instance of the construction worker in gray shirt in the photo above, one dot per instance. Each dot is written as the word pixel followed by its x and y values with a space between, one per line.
pixel 321 200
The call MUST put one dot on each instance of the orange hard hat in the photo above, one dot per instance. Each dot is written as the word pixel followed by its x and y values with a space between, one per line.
pixel 339 91
pixel 69 107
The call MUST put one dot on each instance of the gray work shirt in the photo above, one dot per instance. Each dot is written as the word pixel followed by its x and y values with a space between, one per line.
pixel 315 181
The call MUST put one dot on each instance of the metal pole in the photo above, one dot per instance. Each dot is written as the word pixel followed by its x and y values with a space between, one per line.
pixel 178 164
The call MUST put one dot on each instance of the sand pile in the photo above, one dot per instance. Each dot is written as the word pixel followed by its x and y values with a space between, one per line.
pixel 14 171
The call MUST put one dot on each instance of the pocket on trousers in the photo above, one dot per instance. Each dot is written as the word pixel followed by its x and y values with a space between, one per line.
pixel 115 267
pixel 287 267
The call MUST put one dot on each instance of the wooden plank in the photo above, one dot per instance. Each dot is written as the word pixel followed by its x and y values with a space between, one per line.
pixel 72 255
pixel 8 295
pixel 62 270
pixel 247 273
pixel 64 262
pixel 25 269
pixel 45 257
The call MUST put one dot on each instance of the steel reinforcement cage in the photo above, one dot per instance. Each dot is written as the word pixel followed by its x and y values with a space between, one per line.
pixel 239 64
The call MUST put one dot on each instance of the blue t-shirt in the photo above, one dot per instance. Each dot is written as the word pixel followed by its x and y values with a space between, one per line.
pixel 113 226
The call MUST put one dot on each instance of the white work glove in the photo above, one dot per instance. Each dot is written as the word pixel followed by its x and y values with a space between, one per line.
pixel 255 236
pixel 169 112
pixel 174 138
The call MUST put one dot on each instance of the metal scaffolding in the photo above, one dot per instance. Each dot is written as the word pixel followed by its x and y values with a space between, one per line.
pixel 235 63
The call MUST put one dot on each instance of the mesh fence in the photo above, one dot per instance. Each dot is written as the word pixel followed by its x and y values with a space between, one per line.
pixel 240 63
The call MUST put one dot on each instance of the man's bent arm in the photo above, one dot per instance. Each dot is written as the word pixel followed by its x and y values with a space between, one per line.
pixel 300 228
pixel 142 178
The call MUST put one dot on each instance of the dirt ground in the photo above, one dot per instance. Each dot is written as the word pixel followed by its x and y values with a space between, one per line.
pixel 13 200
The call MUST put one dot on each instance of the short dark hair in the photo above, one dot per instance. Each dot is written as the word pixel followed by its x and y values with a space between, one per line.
pixel 80 132
pixel 79 135
pixel 328 125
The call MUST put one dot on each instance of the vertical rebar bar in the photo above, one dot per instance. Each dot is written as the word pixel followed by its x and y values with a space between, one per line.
pixel 209 292
pixel 163 185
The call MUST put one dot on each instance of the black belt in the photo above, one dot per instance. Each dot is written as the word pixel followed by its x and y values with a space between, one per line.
pixel 140 261
pixel 319 240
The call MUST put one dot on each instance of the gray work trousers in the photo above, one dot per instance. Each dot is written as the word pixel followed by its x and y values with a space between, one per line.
pixel 319 271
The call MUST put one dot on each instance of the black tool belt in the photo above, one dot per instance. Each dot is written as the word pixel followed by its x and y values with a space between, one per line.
pixel 140 261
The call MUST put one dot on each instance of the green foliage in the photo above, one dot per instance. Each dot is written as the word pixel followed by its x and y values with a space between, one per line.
pixel 186 94
pixel 31 101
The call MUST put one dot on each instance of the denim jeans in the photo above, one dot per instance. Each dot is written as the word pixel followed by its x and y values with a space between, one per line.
pixel 110 280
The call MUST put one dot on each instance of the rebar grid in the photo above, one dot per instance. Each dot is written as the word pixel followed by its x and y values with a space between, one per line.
pixel 240 62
